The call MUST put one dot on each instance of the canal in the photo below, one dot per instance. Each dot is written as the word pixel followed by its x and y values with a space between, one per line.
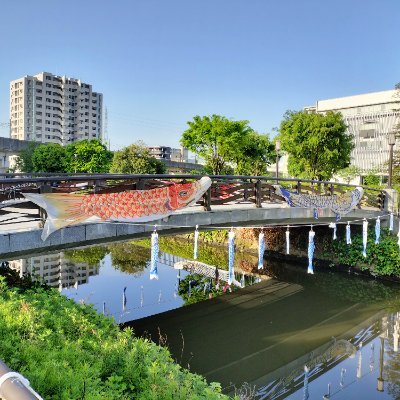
pixel 282 334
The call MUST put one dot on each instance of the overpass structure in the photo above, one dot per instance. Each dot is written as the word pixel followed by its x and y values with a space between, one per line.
pixel 9 148
pixel 231 201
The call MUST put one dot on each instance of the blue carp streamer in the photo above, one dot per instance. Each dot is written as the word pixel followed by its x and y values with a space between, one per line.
pixel 154 256
pixel 231 255
pixel 391 222
pixel 311 248
pixel 348 233
pixel 261 249
pixel 365 237
pixel 196 239
pixel 287 241
pixel 377 230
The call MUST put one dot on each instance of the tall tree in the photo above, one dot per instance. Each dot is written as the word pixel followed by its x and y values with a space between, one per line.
pixel 136 159
pixel 23 162
pixel 318 145
pixel 50 157
pixel 223 143
pixel 88 156
pixel 255 154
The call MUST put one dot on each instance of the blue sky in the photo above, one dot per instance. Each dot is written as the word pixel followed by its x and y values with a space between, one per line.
pixel 160 62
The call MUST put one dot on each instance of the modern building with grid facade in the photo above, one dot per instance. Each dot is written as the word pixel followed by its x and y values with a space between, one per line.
pixel 54 109
pixel 370 117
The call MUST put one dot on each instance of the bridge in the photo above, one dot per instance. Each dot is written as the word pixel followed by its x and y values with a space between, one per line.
pixel 230 201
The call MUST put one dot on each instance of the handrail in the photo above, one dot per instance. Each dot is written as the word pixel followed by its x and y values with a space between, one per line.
pixel 55 177
pixel 14 386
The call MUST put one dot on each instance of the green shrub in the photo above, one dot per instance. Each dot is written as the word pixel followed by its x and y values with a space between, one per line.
pixel 68 351
pixel 382 259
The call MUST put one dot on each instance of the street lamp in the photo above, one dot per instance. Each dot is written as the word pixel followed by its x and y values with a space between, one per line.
pixel 277 149
pixel 392 142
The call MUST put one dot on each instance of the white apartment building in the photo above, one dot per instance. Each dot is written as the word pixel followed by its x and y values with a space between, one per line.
pixel 370 118
pixel 54 109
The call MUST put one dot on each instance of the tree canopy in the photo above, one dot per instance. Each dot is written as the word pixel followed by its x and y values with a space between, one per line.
pixel 83 156
pixel 225 143
pixel 136 159
pixel 50 157
pixel 88 156
pixel 317 144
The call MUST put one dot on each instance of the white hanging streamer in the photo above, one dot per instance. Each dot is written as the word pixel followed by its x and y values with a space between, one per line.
pixel 261 250
pixel 231 255
pixel 398 236
pixel 287 240
pixel 365 237
pixel 196 239
pixel 154 254
pixel 311 248
pixel 332 225
pixel 348 233
pixel 391 222
pixel 377 230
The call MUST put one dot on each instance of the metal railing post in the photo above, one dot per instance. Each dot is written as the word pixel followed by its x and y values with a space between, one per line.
pixel 207 200
pixel 258 193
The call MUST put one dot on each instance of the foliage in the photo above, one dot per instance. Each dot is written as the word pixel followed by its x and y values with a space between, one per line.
pixel 23 162
pixel 129 257
pixel 88 156
pixel 68 351
pixel 198 289
pixel 318 145
pixel 222 142
pixel 349 173
pixel 50 157
pixel 136 159
pixel 382 259
pixel 256 154
pixel 372 179
pixel 91 255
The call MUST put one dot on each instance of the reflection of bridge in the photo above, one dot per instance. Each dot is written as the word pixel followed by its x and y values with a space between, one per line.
pixel 230 201
pixel 196 267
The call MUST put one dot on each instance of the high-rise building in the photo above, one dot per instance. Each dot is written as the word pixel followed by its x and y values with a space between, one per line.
pixel 54 109
pixel 370 117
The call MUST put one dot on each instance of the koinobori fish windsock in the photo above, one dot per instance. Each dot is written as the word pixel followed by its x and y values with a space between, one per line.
pixel 65 209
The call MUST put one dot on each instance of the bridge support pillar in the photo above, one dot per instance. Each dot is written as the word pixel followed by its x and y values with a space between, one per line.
pixel 391 201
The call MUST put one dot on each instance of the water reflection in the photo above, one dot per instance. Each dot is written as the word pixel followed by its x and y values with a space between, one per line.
pixel 119 283
pixel 348 369
pixel 56 270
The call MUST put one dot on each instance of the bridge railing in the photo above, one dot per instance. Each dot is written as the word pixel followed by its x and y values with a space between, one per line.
pixel 225 189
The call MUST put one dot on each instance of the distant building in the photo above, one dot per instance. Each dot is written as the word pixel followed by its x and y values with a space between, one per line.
pixel 54 109
pixel 370 118
pixel 169 153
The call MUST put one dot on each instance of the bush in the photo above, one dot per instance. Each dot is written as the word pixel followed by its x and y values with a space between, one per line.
pixel 68 351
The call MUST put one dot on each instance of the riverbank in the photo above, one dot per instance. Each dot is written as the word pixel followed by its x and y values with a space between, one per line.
pixel 69 351
pixel 382 259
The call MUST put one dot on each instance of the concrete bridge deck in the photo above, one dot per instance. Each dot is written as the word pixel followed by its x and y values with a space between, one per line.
pixel 20 230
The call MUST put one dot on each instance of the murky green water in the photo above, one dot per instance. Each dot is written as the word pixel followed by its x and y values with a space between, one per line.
pixel 343 328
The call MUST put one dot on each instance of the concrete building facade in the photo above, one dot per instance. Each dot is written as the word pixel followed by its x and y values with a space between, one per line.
pixel 169 153
pixel 48 108
pixel 370 117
